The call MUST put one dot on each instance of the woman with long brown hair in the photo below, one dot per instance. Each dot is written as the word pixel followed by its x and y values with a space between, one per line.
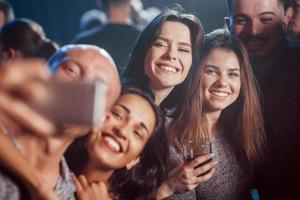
pixel 224 108
pixel 163 60
pixel 165 57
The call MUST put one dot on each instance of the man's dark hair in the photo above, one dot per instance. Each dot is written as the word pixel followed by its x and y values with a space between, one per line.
pixel 230 2
pixel 20 34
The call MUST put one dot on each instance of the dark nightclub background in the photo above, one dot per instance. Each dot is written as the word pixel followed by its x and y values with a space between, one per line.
pixel 60 18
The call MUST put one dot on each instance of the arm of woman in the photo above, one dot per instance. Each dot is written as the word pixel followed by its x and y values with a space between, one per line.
pixel 187 176
pixel 11 159
pixel 15 115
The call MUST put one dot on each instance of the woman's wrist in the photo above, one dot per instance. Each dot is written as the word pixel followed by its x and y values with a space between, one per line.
pixel 33 183
pixel 164 191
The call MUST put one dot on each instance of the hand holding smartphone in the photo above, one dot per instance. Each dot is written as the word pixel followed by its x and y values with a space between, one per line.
pixel 72 102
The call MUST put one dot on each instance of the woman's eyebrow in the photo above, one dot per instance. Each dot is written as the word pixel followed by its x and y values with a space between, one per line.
pixel 216 67
pixel 211 66
pixel 128 111
pixel 234 69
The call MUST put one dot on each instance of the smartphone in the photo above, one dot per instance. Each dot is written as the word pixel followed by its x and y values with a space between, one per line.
pixel 72 102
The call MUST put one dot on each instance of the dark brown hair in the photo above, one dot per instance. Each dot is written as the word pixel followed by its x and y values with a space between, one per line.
pixel 26 36
pixel 135 69
pixel 242 120
pixel 230 4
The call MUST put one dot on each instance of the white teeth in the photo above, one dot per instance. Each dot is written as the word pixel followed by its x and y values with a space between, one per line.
pixel 167 68
pixel 220 94
pixel 112 143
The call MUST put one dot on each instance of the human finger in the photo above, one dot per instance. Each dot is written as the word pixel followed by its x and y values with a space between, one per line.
pixel 206 177
pixel 23 114
pixel 200 170
pixel 19 71
pixel 199 160
pixel 77 183
pixel 83 181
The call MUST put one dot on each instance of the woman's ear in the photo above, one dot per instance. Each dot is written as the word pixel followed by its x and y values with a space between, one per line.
pixel 132 163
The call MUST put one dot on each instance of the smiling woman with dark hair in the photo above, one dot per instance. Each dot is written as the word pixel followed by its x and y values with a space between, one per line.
pixel 163 60
pixel 132 134
pixel 164 57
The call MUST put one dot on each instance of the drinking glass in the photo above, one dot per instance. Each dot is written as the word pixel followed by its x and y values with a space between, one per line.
pixel 192 150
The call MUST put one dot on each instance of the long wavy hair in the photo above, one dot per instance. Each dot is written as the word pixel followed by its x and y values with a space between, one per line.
pixel 242 121
pixel 142 180
pixel 152 165
pixel 134 72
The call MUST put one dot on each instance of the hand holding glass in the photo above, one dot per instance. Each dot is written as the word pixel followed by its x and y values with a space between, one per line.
pixel 192 150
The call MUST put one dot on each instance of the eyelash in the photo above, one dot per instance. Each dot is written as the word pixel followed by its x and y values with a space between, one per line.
pixel 233 75
pixel 245 21
pixel 266 20
pixel 136 133
pixel 70 69
pixel 241 21
pixel 159 44
pixel 184 50
pixel 117 115
pixel 210 71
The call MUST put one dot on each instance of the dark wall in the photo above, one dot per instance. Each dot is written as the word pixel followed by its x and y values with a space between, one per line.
pixel 60 18
pixel 210 12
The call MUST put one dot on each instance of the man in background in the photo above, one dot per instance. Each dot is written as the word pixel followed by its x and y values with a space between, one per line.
pixel 6 12
pixel 260 25
pixel 292 8
pixel 118 36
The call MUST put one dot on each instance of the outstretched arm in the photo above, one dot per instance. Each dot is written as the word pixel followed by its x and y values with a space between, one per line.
pixel 18 85
pixel 15 115
pixel 11 159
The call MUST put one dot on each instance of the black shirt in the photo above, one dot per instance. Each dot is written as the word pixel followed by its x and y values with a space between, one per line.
pixel 117 39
